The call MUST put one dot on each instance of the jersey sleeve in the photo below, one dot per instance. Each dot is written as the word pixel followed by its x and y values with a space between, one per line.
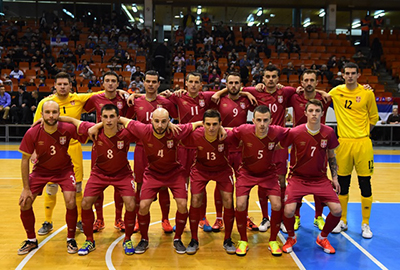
pixel 207 98
pixel 75 134
pixel 372 108
pixel 90 104
pixel 171 108
pixel 27 144
pixel 136 128
pixel 282 132
pixel 189 141
pixel 289 91
pixel 288 139
pixel 185 132
pixel 333 142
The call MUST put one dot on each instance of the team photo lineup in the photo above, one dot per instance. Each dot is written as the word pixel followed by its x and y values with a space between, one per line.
pixel 212 140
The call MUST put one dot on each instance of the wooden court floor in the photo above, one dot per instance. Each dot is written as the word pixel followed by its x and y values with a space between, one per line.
pixel 109 253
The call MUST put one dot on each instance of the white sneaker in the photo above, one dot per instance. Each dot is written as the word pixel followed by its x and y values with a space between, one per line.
pixel 366 231
pixel 340 227
pixel 264 225
pixel 283 228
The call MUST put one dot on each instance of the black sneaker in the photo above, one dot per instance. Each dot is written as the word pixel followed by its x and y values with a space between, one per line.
pixel 46 228
pixel 229 246
pixel 72 247
pixel 192 247
pixel 179 247
pixel 27 246
pixel 142 246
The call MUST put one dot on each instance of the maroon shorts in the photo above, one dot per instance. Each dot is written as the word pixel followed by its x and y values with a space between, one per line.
pixel 153 181
pixel 65 178
pixel 199 179
pixel 280 159
pixel 97 183
pixel 268 182
pixel 235 159
pixel 140 163
pixel 297 188
pixel 186 157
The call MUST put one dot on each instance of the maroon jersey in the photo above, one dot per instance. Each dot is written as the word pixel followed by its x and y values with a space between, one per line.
pixel 111 152
pixel 143 109
pixel 96 102
pixel 258 153
pixel 161 152
pixel 277 102
pixel 298 102
pixel 211 156
pixel 308 158
pixel 234 112
pixel 51 149
pixel 192 109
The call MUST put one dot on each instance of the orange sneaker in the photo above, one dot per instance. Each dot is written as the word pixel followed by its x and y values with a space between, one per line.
pixel 166 226
pixel 205 225
pixel 120 225
pixel 136 229
pixel 98 225
pixel 288 246
pixel 251 225
pixel 324 243
pixel 218 225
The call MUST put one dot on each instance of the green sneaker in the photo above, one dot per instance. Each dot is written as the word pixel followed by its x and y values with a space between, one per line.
pixel 128 247
pixel 296 222
pixel 242 248
pixel 273 246
pixel 87 247
pixel 319 222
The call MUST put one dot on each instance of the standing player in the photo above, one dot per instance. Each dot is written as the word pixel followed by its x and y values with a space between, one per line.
pixel 233 109
pixel 71 104
pixel 356 113
pixel 110 167
pixel 50 141
pixel 142 109
pixel 257 168
pixel 298 102
pixel 163 171
pixel 211 164
pixel 313 145
pixel 96 103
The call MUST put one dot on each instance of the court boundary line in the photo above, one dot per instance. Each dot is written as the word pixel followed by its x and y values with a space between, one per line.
pixel 47 239
pixel 357 245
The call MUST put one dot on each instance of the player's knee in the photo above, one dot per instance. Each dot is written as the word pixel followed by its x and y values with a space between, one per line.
pixel 289 211
pixel 70 203
pixel 241 206
pixel 51 189
pixel 336 210
pixel 85 204
pixel 78 187
pixel 130 205
pixel 276 206
pixel 344 182
pixel 365 186
pixel 197 200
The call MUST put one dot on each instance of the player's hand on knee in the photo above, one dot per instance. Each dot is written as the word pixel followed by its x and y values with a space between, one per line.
pixel 25 195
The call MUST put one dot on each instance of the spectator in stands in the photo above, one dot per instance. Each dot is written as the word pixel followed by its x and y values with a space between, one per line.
pixel 301 69
pixel 141 52
pixel 132 88
pixel 80 51
pixel 98 51
pixel 208 39
pixel 5 103
pixel 179 58
pixel 247 33
pixel 233 56
pixel 8 64
pixel 256 72
pixel 393 118
pixel 8 81
pixel 216 85
pixel 90 44
pixel 131 66
pixel 244 61
pixel 240 47
pixel 86 73
pixel 338 80
pixel 94 82
pixel 289 70
pixel 49 58
pixel 376 53
pixel 74 36
pixel 20 109
pixel 288 34
pixel 281 47
pixel 115 65
pixel 203 70
pixel 277 33
pixel 33 103
pixel 360 59
pixel 139 84
pixel 326 74
pixel 214 75
pixel 65 50
pixel 25 57
pixel 69 67
pixel 244 74
pixel 288 117
pixel 93 36
pixel 180 67
pixel 122 83
pixel 252 55
pixel 365 26
pixel 189 32
pixel 31 82
pixel 16 73
pixel 190 61
pixel 41 75
pixel 138 73
pixel 41 83
pixel 294 48
pixel 342 62
pixel 332 62
pixel 214 65
pixel 83 63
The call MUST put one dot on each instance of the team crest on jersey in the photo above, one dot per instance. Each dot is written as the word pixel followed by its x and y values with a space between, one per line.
pixel 120 144
pixel 280 99
pixel 242 105
pixel 159 106
pixel 202 103
pixel 358 99
pixel 63 140
pixel 72 102
pixel 170 143
pixel 324 143
pixel 120 105
pixel 271 145
pixel 220 147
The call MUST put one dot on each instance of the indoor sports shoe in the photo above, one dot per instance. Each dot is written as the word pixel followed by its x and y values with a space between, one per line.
pixel 366 231
pixel 46 228
pixel 205 225
pixel 79 226
pixel 27 246
pixel 179 246
pixel 325 245
pixel 98 225
pixel 142 246
pixel 167 226
pixel 273 246
pixel 72 247
pixel 319 222
pixel 128 247
pixel 264 225
pixel 283 228
pixel 87 247
pixel 229 246
pixel 297 222
pixel 251 226
pixel 136 229
pixel 242 248
pixel 288 246
pixel 120 225
pixel 192 247
pixel 341 226
pixel 218 225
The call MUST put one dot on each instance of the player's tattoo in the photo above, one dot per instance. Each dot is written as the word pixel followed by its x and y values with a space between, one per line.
pixel 333 166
